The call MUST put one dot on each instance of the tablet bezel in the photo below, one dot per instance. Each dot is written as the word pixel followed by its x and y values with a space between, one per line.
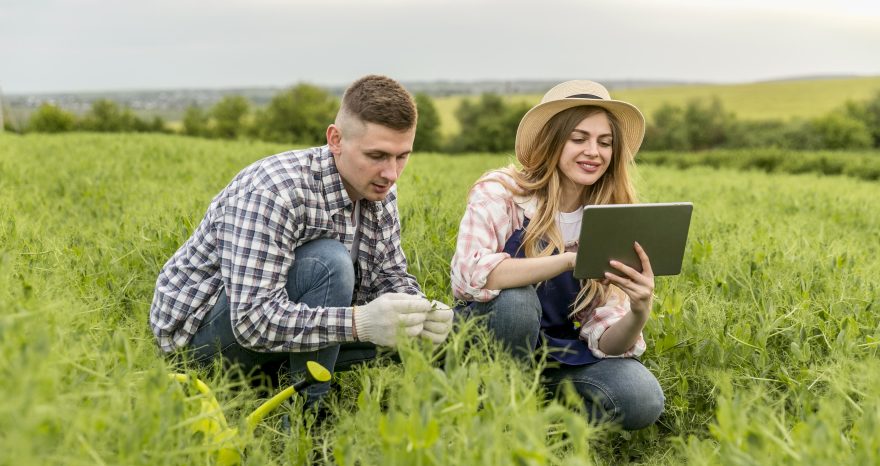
pixel 609 231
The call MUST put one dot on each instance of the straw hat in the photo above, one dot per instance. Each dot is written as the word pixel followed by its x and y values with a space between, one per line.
pixel 574 94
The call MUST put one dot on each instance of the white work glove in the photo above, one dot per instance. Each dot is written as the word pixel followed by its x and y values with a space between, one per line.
pixel 438 323
pixel 382 319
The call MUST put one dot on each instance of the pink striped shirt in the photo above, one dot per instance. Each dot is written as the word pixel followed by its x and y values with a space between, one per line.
pixel 492 215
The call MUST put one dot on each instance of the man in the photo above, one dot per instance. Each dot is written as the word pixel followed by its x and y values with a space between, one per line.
pixel 272 271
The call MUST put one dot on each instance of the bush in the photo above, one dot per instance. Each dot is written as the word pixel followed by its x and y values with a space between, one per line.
pixel 707 124
pixel 760 133
pixel 865 168
pixel 228 116
pixel 106 116
pixel 299 115
pixel 868 113
pixel 51 119
pixel 155 125
pixel 667 131
pixel 195 122
pixel 428 130
pixel 699 125
pixel 839 131
pixel 488 125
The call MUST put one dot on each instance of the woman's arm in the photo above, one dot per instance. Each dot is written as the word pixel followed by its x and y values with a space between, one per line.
pixel 489 219
pixel 516 272
pixel 639 287
pixel 620 337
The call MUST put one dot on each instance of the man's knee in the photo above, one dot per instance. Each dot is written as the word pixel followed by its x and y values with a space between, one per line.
pixel 323 260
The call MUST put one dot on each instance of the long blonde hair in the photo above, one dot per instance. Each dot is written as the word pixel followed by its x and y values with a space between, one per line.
pixel 540 177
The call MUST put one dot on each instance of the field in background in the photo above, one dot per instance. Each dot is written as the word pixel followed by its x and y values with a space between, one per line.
pixel 766 345
pixel 775 100
pixel 782 100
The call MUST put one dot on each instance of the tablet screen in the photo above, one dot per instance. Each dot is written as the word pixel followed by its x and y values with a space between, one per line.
pixel 609 232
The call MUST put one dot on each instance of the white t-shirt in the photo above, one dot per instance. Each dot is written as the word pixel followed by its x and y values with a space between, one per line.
pixel 569 224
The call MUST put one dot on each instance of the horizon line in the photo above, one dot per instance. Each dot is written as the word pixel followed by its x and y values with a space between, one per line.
pixel 404 82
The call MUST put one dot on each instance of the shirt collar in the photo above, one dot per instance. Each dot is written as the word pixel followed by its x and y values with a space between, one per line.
pixel 529 204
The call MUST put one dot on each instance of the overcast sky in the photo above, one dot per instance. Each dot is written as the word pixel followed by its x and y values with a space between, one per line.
pixel 80 45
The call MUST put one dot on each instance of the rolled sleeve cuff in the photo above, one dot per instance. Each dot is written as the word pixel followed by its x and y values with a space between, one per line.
pixel 346 316
pixel 604 318
pixel 470 287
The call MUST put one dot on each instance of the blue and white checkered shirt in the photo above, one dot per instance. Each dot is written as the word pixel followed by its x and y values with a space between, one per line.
pixel 246 242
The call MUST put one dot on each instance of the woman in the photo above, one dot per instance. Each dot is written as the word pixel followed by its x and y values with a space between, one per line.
pixel 516 252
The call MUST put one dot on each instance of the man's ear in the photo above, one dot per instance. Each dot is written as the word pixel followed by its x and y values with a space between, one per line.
pixel 334 139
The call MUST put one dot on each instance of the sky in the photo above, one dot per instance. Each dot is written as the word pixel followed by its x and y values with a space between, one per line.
pixel 104 45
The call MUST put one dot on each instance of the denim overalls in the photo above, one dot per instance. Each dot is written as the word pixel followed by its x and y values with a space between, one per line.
pixel 556 296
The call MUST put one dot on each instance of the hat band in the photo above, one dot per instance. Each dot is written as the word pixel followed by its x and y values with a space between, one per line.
pixel 584 96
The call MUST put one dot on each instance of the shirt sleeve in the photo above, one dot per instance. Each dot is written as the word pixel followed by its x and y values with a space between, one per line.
pixel 256 235
pixel 602 318
pixel 485 227
pixel 392 275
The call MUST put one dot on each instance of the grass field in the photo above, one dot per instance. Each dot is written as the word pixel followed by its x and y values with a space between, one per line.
pixel 775 100
pixel 766 345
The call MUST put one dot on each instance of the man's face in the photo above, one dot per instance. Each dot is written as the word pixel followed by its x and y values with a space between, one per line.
pixel 369 158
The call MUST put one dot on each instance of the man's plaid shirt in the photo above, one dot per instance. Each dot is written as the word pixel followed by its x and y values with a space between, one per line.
pixel 246 242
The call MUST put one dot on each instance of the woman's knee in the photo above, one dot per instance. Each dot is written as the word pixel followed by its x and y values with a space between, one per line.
pixel 638 394
pixel 518 304
pixel 514 317
pixel 514 310
pixel 624 392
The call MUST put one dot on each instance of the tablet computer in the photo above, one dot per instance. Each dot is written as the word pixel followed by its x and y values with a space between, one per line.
pixel 609 231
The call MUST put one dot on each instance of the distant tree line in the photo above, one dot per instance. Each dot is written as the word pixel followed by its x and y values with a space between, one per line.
pixel 104 116
pixel 701 124
pixel 300 115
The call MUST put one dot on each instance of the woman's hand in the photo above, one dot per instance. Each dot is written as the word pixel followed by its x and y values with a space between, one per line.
pixel 638 286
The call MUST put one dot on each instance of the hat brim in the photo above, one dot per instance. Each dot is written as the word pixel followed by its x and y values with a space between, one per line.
pixel 632 122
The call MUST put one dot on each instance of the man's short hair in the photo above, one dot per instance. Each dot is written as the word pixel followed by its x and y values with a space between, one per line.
pixel 380 100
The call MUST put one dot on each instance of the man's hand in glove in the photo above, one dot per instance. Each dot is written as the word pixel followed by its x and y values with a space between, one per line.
pixel 438 323
pixel 382 319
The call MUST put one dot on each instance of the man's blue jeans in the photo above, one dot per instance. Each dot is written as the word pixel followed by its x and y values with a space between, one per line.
pixel 618 390
pixel 321 275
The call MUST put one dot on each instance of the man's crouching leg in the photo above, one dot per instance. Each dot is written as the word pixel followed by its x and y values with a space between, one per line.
pixel 322 275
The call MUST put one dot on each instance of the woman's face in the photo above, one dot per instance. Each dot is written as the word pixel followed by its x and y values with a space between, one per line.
pixel 587 152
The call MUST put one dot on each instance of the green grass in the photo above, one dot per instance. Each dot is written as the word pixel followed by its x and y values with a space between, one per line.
pixel 766 345
pixel 777 100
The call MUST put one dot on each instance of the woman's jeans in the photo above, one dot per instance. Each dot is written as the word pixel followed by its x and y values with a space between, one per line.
pixel 321 275
pixel 619 390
